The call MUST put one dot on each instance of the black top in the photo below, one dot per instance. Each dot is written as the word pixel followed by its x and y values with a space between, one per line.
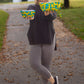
pixel 41 29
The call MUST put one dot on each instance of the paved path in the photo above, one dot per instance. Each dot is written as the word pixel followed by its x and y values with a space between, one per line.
pixel 67 62
pixel 13 6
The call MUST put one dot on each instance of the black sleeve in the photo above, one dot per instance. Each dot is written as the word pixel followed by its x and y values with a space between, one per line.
pixel 51 16
pixel 30 7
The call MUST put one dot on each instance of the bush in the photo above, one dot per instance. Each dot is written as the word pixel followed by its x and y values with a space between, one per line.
pixel 5 1
pixel 62 5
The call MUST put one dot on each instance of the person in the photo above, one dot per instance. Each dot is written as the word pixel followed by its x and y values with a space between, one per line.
pixel 41 36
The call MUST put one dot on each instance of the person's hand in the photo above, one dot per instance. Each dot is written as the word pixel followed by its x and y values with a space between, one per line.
pixel 51 11
pixel 47 12
pixel 30 18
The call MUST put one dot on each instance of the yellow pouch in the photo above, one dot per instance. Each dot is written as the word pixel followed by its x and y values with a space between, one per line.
pixel 26 13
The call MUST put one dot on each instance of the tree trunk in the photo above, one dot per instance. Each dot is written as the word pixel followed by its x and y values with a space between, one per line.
pixel 66 3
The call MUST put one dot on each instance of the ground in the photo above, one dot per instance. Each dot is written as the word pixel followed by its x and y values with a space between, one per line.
pixel 67 62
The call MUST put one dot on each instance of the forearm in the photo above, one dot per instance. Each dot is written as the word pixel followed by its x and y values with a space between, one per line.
pixel 30 7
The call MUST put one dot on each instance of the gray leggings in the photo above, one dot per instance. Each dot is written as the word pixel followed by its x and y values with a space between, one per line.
pixel 40 58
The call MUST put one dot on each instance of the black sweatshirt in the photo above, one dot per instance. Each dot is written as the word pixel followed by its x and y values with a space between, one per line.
pixel 41 29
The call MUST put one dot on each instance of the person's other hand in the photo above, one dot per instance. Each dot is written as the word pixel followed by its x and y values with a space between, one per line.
pixel 51 11
pixel 30 18
pixel 48 12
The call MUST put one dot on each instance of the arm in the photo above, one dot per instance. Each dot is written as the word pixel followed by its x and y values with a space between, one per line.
pixel 30 7
pixel 51 16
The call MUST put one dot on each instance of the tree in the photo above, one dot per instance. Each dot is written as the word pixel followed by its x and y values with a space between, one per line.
pixel 66 3
pixel 24 0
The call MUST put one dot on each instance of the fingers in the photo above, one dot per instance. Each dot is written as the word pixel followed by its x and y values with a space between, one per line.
pixel 51 11
pixel 30 18
pixel 27 17
pixel 46 12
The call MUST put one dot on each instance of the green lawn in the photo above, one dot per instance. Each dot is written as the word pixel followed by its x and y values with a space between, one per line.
pixel 74 20
pixel 73 3
pixel 77 3
pixel 3 19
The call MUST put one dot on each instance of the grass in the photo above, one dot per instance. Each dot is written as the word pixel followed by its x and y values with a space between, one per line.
pixel 3 20
pixel 74 21
pixel 73 3
pixel 73 17
pixel 76 3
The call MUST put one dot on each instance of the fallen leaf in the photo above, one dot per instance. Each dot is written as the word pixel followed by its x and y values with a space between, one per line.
pixel 28 82
pixel 9 81
pixel 59 57
pixel 9 41
pixel 17 68
pixel 14 54
pixel 65 78
pixel 17 44
pixel 53 64
pixel 29 76
pixel 25 52
pixel 69 74
pixel 59 63
pixel 70 62
pixel 67 58
pixel 38 78
pixel 20 53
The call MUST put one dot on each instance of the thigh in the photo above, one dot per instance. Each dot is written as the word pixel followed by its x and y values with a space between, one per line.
pixel 47 53
pixel 35 54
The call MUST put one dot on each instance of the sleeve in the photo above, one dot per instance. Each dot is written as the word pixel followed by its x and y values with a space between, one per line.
pixel 30 7
pixel 51 16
